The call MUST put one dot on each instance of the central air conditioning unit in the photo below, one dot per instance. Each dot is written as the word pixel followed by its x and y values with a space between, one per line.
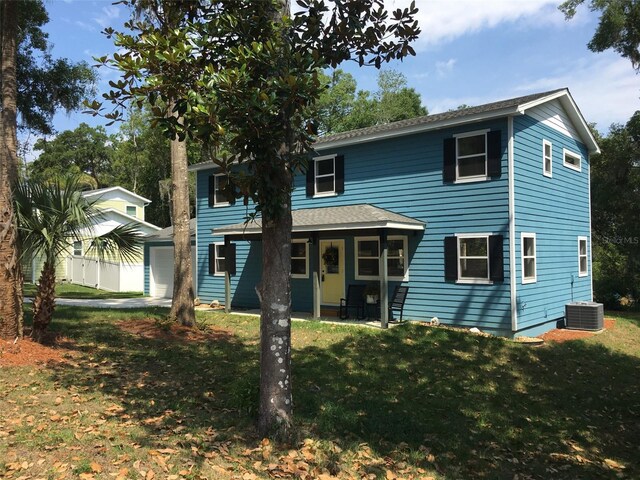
pixel 584 316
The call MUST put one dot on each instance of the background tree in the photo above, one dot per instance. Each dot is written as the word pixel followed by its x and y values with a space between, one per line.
pixel 341 108
pixel 85 150
pixel 50 216
pixel 246 72
pixel 615 198
pixel 33 87
pixel 619 26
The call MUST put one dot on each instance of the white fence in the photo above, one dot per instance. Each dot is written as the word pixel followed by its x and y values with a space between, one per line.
pixel 115 277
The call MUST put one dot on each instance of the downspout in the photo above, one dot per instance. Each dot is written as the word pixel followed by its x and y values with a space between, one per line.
pixel 589 237
pixel 512 226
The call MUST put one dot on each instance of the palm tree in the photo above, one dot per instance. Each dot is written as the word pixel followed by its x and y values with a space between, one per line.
pixel 50 217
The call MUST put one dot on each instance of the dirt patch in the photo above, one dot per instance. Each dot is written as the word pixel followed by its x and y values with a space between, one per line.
pixel 27 352
pixel 153 329
pixel 564 335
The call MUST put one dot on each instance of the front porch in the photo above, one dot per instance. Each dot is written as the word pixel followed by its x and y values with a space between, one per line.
pixel 332 248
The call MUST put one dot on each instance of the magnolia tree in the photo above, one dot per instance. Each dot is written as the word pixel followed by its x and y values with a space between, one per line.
pixel 246 75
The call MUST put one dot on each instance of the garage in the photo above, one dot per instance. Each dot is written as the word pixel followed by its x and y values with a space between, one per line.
pixel 161 271
pixel 158 262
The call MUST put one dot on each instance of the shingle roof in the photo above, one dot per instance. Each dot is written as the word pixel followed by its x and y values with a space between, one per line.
pixel 167 233
pixel 436 118
pixel 347 217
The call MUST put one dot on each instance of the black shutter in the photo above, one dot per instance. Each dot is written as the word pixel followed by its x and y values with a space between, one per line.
pixel 339 166
pixel 494 153
pixel 212 259
pixel 230 258
pixel 232 192
pixel 311 178
pixel 496 258
pixel 451 258
pixel 449 160
pixel 212 190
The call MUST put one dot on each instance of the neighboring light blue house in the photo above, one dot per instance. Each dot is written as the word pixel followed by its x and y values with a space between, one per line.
pixel 483 212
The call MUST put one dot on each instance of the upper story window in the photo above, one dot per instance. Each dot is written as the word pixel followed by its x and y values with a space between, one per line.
pixel 529 274
pixel 583 257
pixel 368 258
pixel 571 159
pixel 547 158
pixel 131 210
pixel 77 248
pixel 217 194
pixel 299 259
pixel 325 176
pixel 472 156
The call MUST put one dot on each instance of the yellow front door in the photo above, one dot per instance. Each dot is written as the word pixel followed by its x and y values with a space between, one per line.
pixel 332 271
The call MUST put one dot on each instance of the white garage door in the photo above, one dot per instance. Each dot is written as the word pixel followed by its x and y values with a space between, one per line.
pixel 161 275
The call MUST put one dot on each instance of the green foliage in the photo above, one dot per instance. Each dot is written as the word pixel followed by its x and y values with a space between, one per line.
pixel 341 108
pixel 619 26
pixel 615 191
pixel 83 151
pixel 45 84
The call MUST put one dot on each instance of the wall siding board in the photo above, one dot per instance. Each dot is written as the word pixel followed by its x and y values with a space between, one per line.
pixel 557 210
pixel 403 175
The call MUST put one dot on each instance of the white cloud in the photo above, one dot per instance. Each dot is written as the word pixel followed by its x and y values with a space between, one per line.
pixel 443 69
pixel 109 14
pixel 445 20
pixel 84 26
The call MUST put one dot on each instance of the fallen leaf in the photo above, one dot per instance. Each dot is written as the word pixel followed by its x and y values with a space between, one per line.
pixel 96 467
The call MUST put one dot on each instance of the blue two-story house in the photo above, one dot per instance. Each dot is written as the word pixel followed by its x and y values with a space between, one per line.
pixel 483 212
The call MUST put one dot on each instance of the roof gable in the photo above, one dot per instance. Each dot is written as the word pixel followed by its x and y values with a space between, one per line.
pixel 109 192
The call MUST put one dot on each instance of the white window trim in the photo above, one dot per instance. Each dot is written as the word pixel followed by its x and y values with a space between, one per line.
pixel 566 152
pixel 544 158
pixel 586 256
pixel 315 177
pixel 306 258
pixel 131 206
pixel 73 247
pixel 405 247
pixel 484 281
pixel 475 178
pixel 215 265
pixel 533 279
pixel 217 204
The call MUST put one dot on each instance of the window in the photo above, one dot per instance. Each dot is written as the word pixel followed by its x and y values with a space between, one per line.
pixel 571 160
pixel 547 158
pixel 471 156
pixel 583 262
pixel 529 274
pixel 325 176
pixel 131 210
pixel 299 259
pixel 473 257
pixel 220 183
pixel 220 263
pixel 368 258
pixel 77 248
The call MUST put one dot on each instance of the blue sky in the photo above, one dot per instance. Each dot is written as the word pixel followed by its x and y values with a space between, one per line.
pixel 470 52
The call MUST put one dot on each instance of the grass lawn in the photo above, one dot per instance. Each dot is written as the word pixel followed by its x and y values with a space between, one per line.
pixel 409 402
pixel 70 290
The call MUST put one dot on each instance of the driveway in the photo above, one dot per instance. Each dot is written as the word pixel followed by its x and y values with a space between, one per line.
pixel 139 302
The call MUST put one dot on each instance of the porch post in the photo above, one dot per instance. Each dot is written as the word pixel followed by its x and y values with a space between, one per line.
pixel 227 279
pixel 384 281
pixel 315 271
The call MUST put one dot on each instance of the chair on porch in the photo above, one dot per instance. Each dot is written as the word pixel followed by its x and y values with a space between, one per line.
pixel 354 300
pixel 397 300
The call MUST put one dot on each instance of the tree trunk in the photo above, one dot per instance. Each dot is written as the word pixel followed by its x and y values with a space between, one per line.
pixel 182 308
pixel 275 327
pixel 44 302
pixel 10 274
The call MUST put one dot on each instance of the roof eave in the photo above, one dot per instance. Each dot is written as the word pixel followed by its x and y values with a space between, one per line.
pixel 326 228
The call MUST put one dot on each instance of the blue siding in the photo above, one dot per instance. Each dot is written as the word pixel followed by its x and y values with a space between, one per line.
pixel 557 210
pixel 403 175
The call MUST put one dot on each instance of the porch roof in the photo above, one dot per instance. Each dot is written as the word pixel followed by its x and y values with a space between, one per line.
pixel 349 217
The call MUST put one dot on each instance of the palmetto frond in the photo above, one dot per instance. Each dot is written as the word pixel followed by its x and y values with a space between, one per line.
pixel 124 241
